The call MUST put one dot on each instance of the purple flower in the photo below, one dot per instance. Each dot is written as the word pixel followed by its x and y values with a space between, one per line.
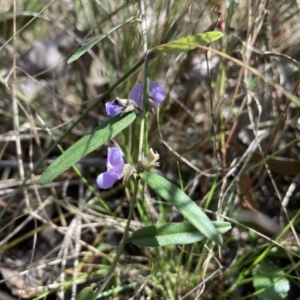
pixel 156 93
pixel 115 165
pixel 113 108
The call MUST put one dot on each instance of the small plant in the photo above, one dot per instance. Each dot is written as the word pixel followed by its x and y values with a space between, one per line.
pixel 153 141
pixel 142 100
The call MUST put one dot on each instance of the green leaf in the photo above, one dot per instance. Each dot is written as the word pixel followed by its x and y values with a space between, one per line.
pixel 86 294
pixel 87 144
pixel 186 43
pixel 87 46
pixel 172 234
pixel 190 210
pixel 270 282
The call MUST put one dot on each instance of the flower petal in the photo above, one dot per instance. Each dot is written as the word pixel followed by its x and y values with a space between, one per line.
pixel 157 92
pixel 107 179
pixel 113 108
pixel 136 94
pixel 115 161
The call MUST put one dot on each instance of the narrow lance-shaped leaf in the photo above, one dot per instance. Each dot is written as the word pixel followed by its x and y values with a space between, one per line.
pixel 87 144
pixel 190 210
pixel 172 234
pixel 87 46
pixel 186 43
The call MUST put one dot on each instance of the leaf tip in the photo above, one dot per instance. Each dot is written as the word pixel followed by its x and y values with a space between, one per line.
pixel 219 239
pixel 43 180
pixel 70 60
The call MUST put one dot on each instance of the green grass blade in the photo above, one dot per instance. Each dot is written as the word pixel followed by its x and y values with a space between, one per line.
pixel 87 144
pixel 172 234
pixel 186 43
pixel 87 46
pixel 190 210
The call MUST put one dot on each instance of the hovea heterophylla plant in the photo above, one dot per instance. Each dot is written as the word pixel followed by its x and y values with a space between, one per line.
pixel 123 112
pixel 115 163
pixel 112 127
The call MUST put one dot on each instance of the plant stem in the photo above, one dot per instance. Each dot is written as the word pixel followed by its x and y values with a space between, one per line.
pixel 101 286
pixel 140 154
pixel 146 83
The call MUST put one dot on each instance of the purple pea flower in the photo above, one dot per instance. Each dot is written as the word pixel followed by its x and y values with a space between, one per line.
pixel 156 93
pixel 113 108
pixel 115 165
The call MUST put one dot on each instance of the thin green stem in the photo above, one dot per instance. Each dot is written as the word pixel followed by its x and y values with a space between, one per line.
pixel 145 108
pixel 140 154
pixel 101 286
pixel 146 83
pixel 142 126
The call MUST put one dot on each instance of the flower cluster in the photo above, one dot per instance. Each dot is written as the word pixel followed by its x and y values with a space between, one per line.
pixel 115 162
pixel 135 99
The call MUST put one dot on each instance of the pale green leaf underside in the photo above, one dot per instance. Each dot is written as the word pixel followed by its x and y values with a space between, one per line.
pixel 172 234
pixel 87 46
pixel 190 210
pixel 270 281
pixel 186 43
pixel 87 144
pixel 86 294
